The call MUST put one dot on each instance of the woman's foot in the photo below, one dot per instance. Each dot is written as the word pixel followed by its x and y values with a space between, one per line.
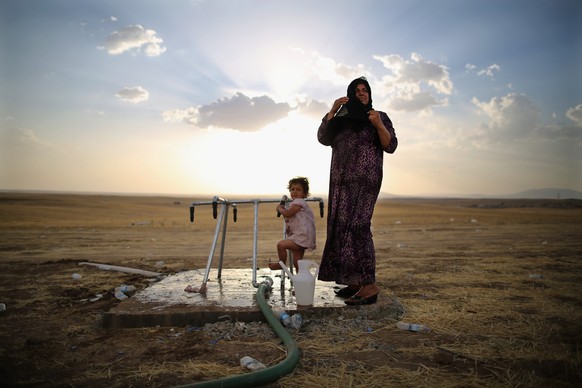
pixel 347 292
pixel 360 300
pixel 368 294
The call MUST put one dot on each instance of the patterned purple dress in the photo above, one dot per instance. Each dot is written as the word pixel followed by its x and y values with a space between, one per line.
pixel 355 178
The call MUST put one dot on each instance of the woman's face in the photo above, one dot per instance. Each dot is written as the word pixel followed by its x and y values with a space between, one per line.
pixel 362 94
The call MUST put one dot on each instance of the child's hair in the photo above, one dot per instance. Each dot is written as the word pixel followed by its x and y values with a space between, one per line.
pixel 303 181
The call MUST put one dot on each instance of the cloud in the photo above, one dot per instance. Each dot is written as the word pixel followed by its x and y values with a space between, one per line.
pixel 511 120
pixel 337 73
pixel 571 133
pixel 323 68
pixel 488 71
pixel 313 108
pixel 24 137
pixel 135 95
pixel 415 84
pixel 412 85
pixel 238 112
pixel 415 102
pixel 575 114
pixel 134 38
pixel 512 116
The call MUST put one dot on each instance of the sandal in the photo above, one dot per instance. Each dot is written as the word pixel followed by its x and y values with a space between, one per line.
pixel 357 300
pixel 346 292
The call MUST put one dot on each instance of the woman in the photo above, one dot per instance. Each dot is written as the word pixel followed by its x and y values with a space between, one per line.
pixel 359 136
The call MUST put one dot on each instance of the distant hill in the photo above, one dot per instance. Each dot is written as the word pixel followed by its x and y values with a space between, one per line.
pixel 549 193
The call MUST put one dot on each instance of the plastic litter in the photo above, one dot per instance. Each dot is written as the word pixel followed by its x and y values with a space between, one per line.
pixel 412 327
pixel 120 295
pixel 127 290
pixel 96 298
pixel 251 364
pixel 296 321
pixel 293 322
pixel 282 315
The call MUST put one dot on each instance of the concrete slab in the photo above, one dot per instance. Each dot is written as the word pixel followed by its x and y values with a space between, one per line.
pixel 165 303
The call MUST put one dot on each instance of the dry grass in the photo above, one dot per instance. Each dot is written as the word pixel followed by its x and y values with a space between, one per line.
pixel 462 267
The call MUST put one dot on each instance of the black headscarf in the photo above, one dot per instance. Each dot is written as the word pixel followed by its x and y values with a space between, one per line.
pixel 354 114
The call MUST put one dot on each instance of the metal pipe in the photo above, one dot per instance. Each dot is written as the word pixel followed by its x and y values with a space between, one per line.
pixel 223 240
pixel 255 245
pixel 202 289
pixel 135 271
pixel 222 222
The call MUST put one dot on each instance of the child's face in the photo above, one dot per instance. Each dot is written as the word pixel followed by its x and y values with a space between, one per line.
pixel 296 191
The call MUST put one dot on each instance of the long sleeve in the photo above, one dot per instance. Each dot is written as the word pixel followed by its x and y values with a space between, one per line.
pixel 394 140
pixel 324 135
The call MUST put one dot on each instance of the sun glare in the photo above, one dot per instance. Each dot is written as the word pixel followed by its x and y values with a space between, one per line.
pixel 261 162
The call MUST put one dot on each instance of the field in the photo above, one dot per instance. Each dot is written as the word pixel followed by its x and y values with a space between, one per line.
pixel 499 282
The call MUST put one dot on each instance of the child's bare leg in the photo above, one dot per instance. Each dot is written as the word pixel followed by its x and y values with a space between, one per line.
pixel 296 251
pixel 297 255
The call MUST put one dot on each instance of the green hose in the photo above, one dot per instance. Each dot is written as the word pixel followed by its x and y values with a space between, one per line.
pixel 270 374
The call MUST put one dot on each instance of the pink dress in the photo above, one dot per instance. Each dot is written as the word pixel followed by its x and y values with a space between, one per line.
pixel 301 227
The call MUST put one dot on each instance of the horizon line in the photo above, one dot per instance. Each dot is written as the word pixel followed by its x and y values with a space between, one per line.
pixel 382 195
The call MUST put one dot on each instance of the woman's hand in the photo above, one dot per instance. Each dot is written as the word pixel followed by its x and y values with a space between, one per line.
pixel 336 106
pixel 383 133
pixel 374 117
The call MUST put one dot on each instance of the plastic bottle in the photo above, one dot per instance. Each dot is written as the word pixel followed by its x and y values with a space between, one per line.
pixel 296 321
pixel 282 315
pixel 251 364
pixel 127 290
pixel 412 327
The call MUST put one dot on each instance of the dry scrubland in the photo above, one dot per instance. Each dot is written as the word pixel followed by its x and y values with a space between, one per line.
pixel 498 281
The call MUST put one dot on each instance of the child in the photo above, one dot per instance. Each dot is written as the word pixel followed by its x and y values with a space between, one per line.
pixel 299 222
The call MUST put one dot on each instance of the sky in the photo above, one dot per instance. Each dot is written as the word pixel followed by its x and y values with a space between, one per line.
pixel 224 97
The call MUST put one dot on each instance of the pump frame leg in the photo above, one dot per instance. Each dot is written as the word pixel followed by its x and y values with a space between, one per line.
pixel 255 244
pixel 223 241
pixel 202 289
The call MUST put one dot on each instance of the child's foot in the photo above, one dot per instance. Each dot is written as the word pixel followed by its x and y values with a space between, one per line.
pixel 275 266
pixel 200 290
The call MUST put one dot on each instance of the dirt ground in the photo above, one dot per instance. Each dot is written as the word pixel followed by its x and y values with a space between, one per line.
pixel 499 282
